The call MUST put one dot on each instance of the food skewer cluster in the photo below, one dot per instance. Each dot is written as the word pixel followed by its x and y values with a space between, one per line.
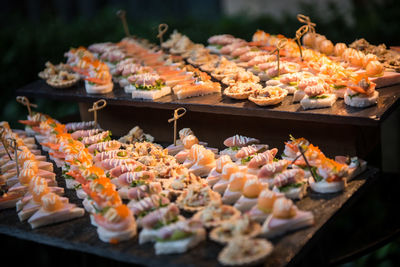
pixel 243 192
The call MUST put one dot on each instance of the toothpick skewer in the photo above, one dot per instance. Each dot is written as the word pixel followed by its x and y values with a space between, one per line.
pixel 25 101
pixel 100 104
pixel 162 29
pixel 177 115
pixel 122 15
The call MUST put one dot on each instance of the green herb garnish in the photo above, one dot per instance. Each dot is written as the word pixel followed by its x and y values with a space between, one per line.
pixel 136 183
pixel 234 148
pixel 318 97
pixel 177 235
pixel 122 154
pixel 78 186
pixel 286 188
pixel 351 96
pixel 337 87
pixel 245 160
pixel 316 176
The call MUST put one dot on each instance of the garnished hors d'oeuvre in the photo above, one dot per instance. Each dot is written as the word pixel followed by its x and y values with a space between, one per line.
pixel 234 189
pixel 154 221
pixel 216 173
pixel 59 76
pixel 285 217
pixel 104 146
pixel 251 190
pixel 292 183
pixel 196 197
pixel 54 209
pixel 318 96
pixel 355 165
pixel 215 214
pixel 136 134
pixel 179 237
pixel 175 149
pixel 291 151
pixel 270 95
pixel 140 207
pixel 204 164
pixel 228 230
pixel 361 93
pixel 235 143
pixel 31 202
pixel 115 224
pixel 268 171
pixel 241 90
pixel 269 70
pixel 200 85
pixel 228 170
pixel 265 203
pixel 216 42
pixel 246 153
pixel 177 184
pixel 245 251
pixel 148 86
pixel 240 76
pixel 329 177
pixel 290 81
pixel 129 180
pixel 260 159
pixel 99 80
pixel 82 125
pixel 187 142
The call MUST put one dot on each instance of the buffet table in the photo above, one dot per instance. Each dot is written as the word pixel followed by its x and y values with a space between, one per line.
pixel 81 236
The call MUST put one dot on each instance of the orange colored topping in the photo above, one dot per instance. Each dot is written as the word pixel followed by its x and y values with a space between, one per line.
pixel 123 211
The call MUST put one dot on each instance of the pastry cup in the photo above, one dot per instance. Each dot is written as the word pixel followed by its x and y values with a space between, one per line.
pixel 234 214
pixel 268 101
pixel 265 249
pixel 255 230
pixel 214 196
pixel 63 84
pixel 239 95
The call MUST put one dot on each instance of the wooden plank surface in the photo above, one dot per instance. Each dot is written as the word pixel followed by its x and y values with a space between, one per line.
pixel 80 235
pixel 216 103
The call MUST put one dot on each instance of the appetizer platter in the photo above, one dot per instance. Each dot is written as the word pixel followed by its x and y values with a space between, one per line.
pixel 270 76
pixel 138 198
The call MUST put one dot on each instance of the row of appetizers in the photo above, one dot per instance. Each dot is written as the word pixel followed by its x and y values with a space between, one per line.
pixel 316 81
pixel 143 72
pixel 239 193
pixel 29 183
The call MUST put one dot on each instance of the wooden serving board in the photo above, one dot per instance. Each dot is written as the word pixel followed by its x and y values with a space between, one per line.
pixel 339 113
pixel 81 236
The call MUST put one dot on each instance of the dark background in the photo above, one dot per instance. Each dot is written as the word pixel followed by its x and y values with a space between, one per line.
pixel 33 32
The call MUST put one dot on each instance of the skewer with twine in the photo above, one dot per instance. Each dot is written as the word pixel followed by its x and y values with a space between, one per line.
pixel 305 159
pixel 162 29
pixel 14 145
pixel 281 44
pixel 122 15
pixel 177 115
pixel 100 104
pixel 25 101
pixel 2 129
pixel 306 20
pixel 299 33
